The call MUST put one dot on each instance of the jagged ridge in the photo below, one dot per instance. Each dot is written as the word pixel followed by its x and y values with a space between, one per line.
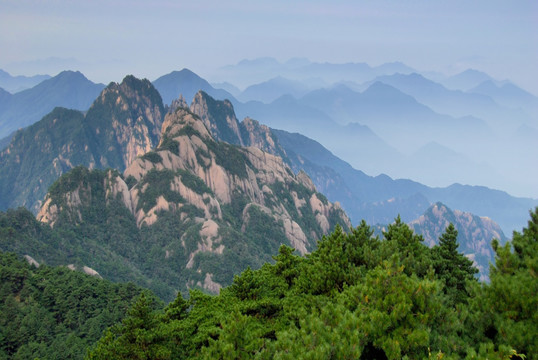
pixel 227 201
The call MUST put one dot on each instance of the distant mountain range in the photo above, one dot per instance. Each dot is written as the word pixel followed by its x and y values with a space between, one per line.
pixel 248 72
pixel 308 115
pixel 214 196
pixel 475 117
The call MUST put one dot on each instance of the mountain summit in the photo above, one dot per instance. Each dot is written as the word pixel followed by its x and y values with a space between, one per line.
pixel 122 123
pixel 195 207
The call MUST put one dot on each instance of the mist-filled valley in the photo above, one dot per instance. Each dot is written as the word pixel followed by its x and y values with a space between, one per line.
pixel 466 128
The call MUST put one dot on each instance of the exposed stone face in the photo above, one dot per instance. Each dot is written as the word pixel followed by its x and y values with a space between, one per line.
pixel 210 241
pixel 48 212
pixel 115 186
pixel 475 233
pixel 196 154
pixel 90 271
pixel 197 177
pixel 135 112
pixel 209 284
pixel 295 235
pixel 31 261
pixel 260 136
pixel 218 117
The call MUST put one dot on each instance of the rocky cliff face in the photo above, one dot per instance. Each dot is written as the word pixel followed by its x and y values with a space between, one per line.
pixel 474 233
pixel 124 122
pixel 218 117
pixel 226 199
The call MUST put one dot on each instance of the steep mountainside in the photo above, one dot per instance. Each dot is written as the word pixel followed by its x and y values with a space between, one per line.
pixel 474 233
pixel 198 210
pixel 381 198
pixel 55 312
pixel 123 122
pixel 377 199
pixel 68 89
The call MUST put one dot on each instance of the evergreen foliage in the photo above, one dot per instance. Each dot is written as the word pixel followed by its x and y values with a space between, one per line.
pixel 451 266
pixel 54 312
pixel 356 297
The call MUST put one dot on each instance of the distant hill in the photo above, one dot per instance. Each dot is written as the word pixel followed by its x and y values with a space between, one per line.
pixel 272 89
pixel 68 89
pixel 389 112
pixel 466 80
pixel 456 103
pixel 186 83
pixel 14 84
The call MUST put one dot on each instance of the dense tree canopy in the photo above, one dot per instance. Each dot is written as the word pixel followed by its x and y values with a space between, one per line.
pixel 356 296
pixel 54 312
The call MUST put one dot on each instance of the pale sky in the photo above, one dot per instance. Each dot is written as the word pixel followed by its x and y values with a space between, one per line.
pixel 108 39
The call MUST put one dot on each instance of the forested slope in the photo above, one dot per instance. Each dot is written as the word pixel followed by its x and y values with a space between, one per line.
pixel 355 297
pixel 54 312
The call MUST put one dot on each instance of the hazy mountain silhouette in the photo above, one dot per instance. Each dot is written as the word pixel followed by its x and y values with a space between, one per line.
pixel 186 83
pixel 69 89
pixel 507 94
pixel 466 80
pixel 248 72
pixel 18 83
pixel 272 89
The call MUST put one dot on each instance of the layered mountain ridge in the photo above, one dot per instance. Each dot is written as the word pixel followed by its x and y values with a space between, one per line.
pixel 378 199
pixel 216 206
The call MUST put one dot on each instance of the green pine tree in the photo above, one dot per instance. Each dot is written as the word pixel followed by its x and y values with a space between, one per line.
pixel 452 267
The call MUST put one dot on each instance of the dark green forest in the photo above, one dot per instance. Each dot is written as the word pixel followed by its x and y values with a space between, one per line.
pixel 356 297
pixel 54 312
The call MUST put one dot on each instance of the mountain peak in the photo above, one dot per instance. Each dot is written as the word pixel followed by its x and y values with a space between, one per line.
pixel 474 233
pixel 186 83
